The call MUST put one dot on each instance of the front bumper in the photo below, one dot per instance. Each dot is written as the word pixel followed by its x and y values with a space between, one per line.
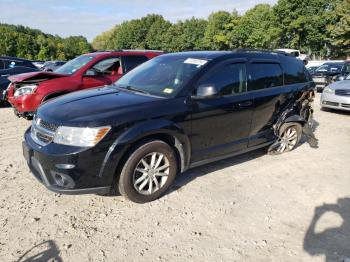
pixel 335 101
pixel 69 172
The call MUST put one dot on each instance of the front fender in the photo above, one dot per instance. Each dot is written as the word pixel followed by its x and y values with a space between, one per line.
pixel 143 130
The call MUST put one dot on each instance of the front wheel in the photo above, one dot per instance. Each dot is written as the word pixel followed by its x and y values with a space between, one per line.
pixel 148 172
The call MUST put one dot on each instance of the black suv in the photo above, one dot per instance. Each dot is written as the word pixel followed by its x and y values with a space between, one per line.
pixel 12 66
pixel 172 113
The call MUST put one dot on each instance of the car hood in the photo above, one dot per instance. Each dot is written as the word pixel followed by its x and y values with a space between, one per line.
pixel 33 76
pixel 99 106
pixel 345 84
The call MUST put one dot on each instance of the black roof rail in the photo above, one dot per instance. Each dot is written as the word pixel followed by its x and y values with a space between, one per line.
pixel 262 51
pixel 130 50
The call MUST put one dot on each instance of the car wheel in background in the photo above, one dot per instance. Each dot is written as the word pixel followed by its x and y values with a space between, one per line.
pixel 148 172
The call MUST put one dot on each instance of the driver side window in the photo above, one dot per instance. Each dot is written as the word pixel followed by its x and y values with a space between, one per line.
pixel 108 67
pixel 229 79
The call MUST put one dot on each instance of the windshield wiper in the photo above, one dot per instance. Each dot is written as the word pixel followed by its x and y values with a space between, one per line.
pixel 130 88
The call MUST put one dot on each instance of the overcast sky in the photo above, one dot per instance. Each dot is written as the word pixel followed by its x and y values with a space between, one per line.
pixel 91 17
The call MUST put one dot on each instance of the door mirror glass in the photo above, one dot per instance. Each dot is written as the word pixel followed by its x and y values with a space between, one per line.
pixel 206 91
pixel 91 72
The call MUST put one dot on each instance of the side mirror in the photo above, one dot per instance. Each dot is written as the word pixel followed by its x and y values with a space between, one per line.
pixel 206 91
pixel 91 72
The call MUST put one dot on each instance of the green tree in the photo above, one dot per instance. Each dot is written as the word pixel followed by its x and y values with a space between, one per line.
pixel 185 35
pixel 217 31
pixel 29 43
pixel 302 24
pixel 255 29
pixel 339 29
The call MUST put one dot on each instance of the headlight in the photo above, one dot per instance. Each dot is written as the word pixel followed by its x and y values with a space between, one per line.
pixel 80 136
pixel 328 90
pixel 25 90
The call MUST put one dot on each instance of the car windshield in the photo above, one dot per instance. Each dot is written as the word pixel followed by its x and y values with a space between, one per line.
pixel 162 76
pixel 330 68
pixel 74 65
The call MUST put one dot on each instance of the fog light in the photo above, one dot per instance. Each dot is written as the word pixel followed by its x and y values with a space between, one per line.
pixel 63 180
pixel 65 166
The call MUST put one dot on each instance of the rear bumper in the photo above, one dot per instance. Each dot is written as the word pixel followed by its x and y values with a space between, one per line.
pixel 335 102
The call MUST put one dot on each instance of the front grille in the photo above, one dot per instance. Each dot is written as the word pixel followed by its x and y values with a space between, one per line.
pixel 49 126
pixel 345 105
pixel 42 132
pixel 342 92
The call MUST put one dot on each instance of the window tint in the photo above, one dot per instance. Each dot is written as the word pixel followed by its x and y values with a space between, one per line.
pixel 228 79
pixel 130 62
pixel 11 64
pixel 74 65
pixel 294 71
pixel 108 66
pixel 263 75
pixel 346 68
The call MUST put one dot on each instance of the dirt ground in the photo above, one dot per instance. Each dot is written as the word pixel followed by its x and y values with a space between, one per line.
pixel 255 207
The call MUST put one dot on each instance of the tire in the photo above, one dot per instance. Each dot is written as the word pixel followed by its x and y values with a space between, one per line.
pixel 289 138
pixel 137 180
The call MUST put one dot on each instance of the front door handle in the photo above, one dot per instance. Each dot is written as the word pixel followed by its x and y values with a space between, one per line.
pixel 245 104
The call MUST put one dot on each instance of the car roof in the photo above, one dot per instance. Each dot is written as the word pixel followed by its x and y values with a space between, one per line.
pixel 14 58
pixel 124 51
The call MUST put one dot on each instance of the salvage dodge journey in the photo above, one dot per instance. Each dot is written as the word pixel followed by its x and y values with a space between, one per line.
pixel 171 113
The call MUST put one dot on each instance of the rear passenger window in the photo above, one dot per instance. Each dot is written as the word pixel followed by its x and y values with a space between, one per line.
pixel 229 79
pixel 294 71
pixel 130 62
pixel 264 75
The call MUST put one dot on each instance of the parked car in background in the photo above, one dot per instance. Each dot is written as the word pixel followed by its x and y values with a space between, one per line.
pixel 51 66
pixel 28 91
pixel 38 63
pixel 12 66
pixel 312 69
pixel 7 62
pixel 172 113
pixel 297 54
pixel 330 72
pixel 337 95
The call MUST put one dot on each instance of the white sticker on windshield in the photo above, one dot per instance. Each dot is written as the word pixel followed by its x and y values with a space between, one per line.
pixel 194 61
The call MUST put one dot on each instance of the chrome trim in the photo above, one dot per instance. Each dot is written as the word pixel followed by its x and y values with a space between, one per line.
pixel 37 129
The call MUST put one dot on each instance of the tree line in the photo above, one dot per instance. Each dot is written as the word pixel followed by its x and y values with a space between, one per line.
pixel 24 42
pixel 320 28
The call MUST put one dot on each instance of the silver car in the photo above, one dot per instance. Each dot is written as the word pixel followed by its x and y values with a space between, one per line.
pixel 337 95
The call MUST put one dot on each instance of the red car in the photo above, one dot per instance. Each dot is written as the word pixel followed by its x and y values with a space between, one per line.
pixel 28 91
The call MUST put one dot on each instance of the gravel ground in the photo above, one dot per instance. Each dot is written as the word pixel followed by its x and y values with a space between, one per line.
pixel 255 207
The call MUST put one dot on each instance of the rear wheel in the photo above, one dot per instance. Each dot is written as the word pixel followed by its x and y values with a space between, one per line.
pixel 289 138
pixel 148 172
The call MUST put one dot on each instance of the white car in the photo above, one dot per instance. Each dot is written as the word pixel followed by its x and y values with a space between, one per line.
pixel 296 53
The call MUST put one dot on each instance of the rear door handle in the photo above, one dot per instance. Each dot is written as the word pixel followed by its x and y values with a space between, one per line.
pixel 245 104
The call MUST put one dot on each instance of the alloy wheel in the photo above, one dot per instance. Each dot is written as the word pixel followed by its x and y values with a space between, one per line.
pixel 288 140
pixel 151 173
